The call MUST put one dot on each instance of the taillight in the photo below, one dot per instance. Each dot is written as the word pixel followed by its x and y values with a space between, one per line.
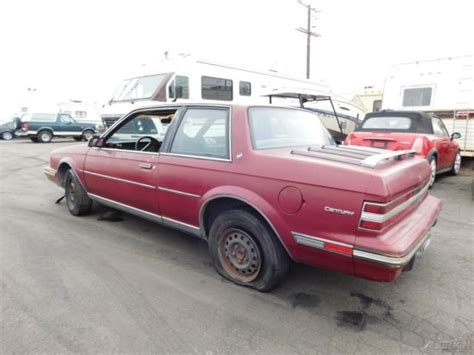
pixel 418 145
pixel 26 126
pixel 376 216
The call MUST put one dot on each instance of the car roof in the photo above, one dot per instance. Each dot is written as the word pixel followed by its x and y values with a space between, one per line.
pixel 410 114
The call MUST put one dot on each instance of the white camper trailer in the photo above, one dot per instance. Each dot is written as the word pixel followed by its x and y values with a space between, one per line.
pixel 444 87
pixel 187 79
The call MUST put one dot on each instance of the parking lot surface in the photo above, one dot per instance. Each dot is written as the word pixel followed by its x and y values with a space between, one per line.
pixel 85 285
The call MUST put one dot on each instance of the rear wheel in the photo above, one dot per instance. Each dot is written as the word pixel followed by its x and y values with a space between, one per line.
pixel 456 164
pixel 87 135
pixel 245 251
pixel 7 136
pixel 433 166
pixel 78 203
pixel 45 136
pixel 77 139
pixel 34 139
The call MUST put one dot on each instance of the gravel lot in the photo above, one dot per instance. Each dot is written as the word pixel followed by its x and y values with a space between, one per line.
pixel 82 285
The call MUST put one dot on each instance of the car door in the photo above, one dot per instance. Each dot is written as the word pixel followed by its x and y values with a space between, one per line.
pixel 123 172
pixel 66 125
pixel 195 161
pixel 443 144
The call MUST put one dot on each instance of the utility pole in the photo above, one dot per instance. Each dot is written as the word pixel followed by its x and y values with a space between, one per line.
pixel 309 34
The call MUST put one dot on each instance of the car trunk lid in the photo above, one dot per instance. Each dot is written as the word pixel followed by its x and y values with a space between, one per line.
pixel 382 140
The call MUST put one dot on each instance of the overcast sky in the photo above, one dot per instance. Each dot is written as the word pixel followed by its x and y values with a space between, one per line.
pixel 81 49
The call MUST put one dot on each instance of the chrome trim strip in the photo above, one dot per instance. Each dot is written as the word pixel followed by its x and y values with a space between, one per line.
pixel 380 218
pixel 151 187
pixel 392 260
pixel 196 157
pixel 178 192
pixel 318 243
pixel 126 208
pixel 189 228
pixel 126 151
pixel 204 205
pixel 374 160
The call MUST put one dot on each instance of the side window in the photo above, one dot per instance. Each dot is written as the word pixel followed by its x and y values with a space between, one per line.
pixel 245 88
pixel 66 119
pixel 137 127
pixel 179 87
pixel 439 128
pixel 216 88
pixel 203 132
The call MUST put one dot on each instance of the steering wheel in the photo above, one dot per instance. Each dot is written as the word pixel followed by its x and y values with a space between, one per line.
pixel 153 142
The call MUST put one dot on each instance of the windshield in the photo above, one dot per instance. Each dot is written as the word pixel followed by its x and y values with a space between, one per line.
pixel 285 127
pixel 138 88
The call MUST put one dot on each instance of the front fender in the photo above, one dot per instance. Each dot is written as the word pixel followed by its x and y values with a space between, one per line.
pixel 257 202
pixel 76 168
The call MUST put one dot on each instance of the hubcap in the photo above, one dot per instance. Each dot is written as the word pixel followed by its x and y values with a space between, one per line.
pixel 433 171
pixel 88 136
pixel 457 163
pixel 45 137
pixel 239 255
pixel 7 136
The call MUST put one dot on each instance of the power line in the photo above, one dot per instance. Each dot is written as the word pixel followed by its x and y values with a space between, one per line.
pixel 309 34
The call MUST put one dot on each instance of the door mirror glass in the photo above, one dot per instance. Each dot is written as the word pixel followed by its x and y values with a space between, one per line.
pixel 456 135
pixel 96 141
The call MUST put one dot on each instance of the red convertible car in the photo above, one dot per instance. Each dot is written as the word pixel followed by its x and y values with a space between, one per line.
pixel 422 132
pixel 262 184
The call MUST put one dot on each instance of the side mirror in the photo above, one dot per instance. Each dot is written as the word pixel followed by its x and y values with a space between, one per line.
pixel 95 141
pixel 455 135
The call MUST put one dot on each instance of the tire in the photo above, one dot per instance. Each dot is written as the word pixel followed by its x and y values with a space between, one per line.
pixel 433 165
pixel 34 139
pixel 45 136
pixel 456 164
pixel 7 136
pixel 77 201
pixel 87 135
pixel 245 250
pixel 77 139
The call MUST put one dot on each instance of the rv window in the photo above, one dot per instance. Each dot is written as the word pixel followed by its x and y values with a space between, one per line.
pixel 417 97
pixel 81 114
pixel 216 88
pixel 179 87
pixel 245 88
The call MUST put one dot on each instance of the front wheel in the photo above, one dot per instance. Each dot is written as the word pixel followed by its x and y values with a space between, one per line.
pixel 78 203
pixel 433 166
pixel 245 250
pixel 7 136
pixel 456 164
pixel 77 139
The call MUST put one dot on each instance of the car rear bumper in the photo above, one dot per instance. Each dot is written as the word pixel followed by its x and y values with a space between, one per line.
pixel 398 247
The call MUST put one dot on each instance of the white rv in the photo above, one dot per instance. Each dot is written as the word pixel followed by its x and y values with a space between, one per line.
pixel 187 79
pixel 444 87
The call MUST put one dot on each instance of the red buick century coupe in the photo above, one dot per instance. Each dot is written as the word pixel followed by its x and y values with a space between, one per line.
pixel 262 184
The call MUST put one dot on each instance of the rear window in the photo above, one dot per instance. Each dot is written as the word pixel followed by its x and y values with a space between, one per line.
pixel 387 123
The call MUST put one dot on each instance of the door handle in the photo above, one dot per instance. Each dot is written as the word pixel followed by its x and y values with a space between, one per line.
pixel 145 166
